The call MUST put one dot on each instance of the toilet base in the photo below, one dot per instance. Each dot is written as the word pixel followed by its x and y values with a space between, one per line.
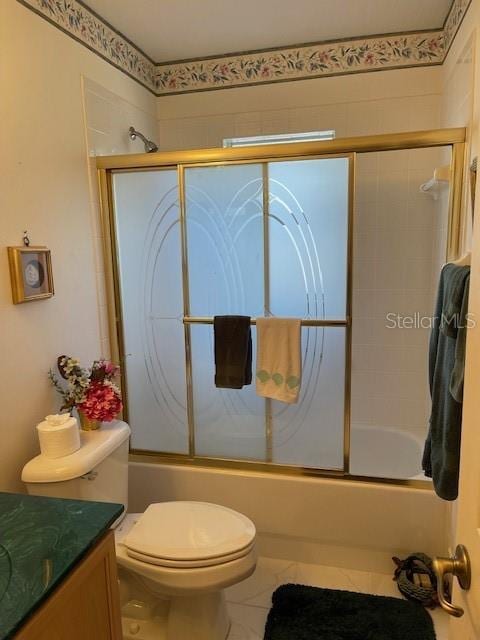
pixel 133 629
pixel 199 617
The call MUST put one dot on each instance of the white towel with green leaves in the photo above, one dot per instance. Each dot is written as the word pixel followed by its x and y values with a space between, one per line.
pixel 279 358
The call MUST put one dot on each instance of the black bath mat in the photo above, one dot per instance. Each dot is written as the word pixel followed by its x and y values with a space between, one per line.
pixel 310 613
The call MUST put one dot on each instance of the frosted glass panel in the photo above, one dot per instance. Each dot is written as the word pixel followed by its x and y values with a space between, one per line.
pixel 224 215
pixel 310 433
pixel 308 227
pixel 306 243
pixel 229 423
pixel 148 235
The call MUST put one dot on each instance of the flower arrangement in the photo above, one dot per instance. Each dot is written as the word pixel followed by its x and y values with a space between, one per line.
pixel 92 391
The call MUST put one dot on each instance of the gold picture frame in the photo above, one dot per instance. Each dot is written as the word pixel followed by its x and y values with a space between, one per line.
pixel 30 273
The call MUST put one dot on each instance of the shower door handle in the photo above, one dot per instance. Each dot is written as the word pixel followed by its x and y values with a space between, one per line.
pixel 458 566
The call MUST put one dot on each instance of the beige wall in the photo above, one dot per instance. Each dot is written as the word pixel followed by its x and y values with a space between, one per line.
pixel 44 187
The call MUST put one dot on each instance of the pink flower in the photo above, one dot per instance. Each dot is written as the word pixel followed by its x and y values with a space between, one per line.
pixel 370 58
pixel 102 402
pixel 110 369
pixel 103 370
pixel 265 73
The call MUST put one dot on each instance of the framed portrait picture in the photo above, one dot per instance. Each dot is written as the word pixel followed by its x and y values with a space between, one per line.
pixel 31 273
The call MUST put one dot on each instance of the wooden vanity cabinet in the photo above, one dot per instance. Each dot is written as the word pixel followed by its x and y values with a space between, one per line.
pixel 86 605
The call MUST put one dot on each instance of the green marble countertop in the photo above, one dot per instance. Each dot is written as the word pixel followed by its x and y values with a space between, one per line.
pixel 41 540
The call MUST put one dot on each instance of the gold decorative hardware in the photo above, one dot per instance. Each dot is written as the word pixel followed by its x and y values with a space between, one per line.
pixel 455 201
pixel 359 144
pixel 186 311
pixel 458 566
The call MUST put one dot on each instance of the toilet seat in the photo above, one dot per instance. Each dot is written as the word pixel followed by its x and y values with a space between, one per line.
pixel 190 564
pixel 185 535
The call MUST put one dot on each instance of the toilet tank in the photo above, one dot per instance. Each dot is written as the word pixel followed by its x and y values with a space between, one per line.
pixel 97 471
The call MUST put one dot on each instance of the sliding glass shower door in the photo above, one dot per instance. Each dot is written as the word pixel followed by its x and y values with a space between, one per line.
pixel 308 269
pixel 225 256
pixel 148 239
pixel 255 239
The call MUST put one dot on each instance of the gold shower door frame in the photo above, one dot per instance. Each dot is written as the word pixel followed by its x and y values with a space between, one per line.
pixel 181 160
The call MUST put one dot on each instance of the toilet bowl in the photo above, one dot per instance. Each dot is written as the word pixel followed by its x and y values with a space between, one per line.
pixel 182 555
pixel 174 559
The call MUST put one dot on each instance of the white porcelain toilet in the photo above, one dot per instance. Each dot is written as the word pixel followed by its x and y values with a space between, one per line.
pixel 174 559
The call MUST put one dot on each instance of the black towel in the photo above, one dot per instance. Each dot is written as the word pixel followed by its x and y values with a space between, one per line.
pixel 233 351
pixel 441 457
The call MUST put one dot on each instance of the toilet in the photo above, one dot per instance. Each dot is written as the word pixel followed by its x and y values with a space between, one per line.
pixel 174 560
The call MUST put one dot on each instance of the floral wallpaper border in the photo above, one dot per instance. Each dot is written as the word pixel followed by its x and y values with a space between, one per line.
pixel 454 19
pixel 80 22
pixel 300 63
pixel 359 55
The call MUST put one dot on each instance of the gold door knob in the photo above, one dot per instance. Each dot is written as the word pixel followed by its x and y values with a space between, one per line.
pixel 458 566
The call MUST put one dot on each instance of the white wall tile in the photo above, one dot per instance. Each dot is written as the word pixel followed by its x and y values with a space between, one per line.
pixel 356 106
pixel 364 273
pixel 394 275
pixel 424 112
pixel 394 115
pixel 363 118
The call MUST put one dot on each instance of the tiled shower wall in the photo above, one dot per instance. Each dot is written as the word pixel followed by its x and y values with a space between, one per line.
pixel 395 272
pixel 403 101
pixel 397 228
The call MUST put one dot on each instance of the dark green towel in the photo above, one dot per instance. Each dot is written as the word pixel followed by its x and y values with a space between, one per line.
pixel 441 457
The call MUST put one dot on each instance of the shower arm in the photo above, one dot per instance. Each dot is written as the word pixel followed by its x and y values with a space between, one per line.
pixel 150 146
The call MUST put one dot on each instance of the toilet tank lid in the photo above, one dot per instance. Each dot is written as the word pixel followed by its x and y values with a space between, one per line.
pixel 95 447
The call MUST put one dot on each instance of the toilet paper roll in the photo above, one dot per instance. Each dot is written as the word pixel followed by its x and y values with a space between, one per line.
pixel 58 435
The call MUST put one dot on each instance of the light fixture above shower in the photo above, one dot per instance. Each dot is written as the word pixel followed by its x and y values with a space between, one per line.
pixel 279 138
pixel 150 146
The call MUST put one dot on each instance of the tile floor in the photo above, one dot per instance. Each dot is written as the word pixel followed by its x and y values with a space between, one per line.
pixel 249 601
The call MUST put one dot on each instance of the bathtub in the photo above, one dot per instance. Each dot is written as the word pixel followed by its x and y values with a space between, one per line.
pixel 335 522
pixel 385 453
